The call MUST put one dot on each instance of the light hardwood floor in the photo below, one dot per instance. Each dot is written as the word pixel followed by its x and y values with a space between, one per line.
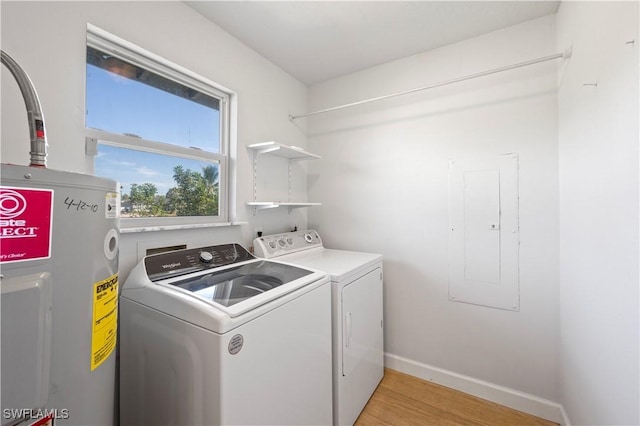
pixel 405 400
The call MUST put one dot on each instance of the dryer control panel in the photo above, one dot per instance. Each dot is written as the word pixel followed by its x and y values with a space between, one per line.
pixel 290 242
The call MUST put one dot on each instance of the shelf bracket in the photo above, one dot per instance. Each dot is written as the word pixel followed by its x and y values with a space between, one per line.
pixel 255 180
pixel 289 183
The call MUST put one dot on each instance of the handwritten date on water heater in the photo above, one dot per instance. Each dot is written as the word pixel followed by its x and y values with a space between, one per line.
pixel 80 205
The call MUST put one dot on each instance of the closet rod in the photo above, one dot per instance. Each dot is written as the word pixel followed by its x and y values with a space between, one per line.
pixel 566 54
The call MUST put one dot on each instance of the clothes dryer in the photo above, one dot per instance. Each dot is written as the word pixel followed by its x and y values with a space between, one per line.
pixel 356 309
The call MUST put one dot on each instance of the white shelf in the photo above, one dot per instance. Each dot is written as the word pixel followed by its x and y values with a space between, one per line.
pixel 290 152
pixel 259 205
pixel 284 151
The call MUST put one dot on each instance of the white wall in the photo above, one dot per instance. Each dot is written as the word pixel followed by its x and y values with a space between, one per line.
pixel 599 213
pixel 48 39
pixel 383 180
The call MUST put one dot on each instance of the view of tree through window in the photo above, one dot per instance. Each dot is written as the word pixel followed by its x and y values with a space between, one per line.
pixel 174 186
pixel 135 104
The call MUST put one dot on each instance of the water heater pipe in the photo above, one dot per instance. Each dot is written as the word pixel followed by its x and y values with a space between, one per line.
pixel 38 150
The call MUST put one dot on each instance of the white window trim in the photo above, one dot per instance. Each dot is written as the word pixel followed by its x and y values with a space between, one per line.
pixel 107 42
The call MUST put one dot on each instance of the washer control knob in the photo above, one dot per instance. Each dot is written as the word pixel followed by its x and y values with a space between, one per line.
pixel 206 257
pixel 272 244
pixel 290 241
pixel 308 238
pixel 281 243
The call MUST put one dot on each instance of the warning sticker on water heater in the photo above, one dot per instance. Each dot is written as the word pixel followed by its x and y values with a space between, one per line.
pixel 105 320
pixel 112 205
pixel 25 223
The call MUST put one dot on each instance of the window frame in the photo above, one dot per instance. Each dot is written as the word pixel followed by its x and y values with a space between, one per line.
pixel 109 43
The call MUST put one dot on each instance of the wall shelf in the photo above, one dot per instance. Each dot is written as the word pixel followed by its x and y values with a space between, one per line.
pixel 291 153
pixel 260 205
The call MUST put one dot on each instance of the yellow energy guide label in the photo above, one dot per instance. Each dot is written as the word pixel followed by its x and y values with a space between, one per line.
pixel 105 320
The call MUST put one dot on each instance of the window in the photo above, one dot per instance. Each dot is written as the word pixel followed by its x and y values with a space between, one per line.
pixel 161 131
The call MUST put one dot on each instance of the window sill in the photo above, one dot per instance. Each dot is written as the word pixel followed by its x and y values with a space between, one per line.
pixel 132 230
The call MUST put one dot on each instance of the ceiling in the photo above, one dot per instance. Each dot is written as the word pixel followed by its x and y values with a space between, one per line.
pixel 319 40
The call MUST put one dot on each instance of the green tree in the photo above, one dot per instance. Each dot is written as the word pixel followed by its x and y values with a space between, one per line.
pixel 170 200
pixel 210 174
pixel 159 203
pixel 143 199
pixel 193 197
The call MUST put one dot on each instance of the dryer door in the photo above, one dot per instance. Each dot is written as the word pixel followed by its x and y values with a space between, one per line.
pixel 362 322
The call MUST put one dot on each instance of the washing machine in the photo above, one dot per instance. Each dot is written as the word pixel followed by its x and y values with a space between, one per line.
pixel 357 319
pixel 212 335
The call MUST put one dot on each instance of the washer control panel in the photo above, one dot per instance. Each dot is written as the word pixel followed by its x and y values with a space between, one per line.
pixel 180 262
pixel 290 242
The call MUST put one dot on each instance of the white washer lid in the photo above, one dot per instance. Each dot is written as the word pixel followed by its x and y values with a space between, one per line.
pixel 338 264
pixel 187 306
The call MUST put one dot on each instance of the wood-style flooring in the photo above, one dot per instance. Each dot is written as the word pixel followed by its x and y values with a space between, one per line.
pixel 405 400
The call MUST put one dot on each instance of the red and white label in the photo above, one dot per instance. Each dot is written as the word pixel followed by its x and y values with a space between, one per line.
pixel 26 216
pixel 44 421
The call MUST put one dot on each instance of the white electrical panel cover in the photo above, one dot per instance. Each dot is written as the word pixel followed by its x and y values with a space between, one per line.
pixel 484 232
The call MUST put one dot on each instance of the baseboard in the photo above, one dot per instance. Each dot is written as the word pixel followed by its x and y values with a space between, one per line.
pixel 511 398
